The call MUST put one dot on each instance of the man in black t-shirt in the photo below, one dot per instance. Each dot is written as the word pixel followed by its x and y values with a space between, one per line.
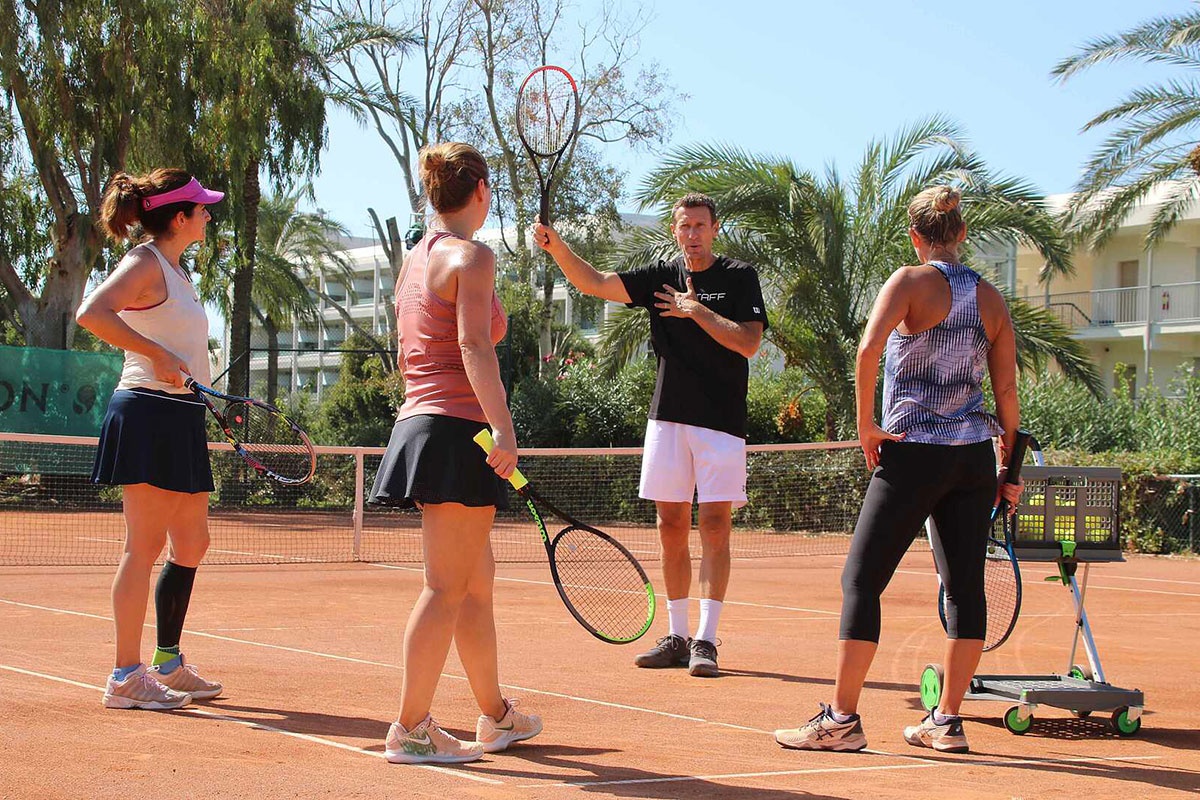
pixel 706 321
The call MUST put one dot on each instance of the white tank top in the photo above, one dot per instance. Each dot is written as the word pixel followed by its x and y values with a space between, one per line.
pixel 177 323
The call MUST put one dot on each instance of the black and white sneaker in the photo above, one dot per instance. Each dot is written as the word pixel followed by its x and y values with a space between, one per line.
pixel 945 738
pixel 823 732
pixel 669 651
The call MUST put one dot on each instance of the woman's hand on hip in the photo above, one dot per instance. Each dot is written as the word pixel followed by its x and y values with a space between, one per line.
pixel 870 437
pixel 168 367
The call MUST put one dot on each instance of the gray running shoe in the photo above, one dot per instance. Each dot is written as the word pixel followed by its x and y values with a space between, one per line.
pixel 703 660
pixel 669 651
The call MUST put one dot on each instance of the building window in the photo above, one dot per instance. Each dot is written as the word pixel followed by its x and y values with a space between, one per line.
pixel 1127 274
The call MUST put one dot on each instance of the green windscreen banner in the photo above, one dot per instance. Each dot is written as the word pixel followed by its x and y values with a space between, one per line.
pixel 61 392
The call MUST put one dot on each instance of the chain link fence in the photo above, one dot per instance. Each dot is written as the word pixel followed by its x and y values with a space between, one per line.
pixel 1162 514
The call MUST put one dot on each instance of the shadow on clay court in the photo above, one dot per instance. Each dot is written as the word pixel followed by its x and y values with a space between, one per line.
pixel 641 783
pixel 1155 775
pixel 307 722
pixel 910 688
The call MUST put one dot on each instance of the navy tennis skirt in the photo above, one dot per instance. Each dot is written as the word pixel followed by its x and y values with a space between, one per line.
pixel 431 458
pixel 156 438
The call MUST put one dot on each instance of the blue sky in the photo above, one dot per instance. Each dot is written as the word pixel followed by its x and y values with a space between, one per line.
pixel 815 82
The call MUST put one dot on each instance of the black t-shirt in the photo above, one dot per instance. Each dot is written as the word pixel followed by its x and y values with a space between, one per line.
pixel 700 381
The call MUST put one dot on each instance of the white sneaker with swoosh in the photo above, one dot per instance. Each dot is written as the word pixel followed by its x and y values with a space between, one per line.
pixel 427 743
pixel 512 727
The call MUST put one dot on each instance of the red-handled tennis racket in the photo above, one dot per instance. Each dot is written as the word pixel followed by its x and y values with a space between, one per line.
pixel 265 439
pixel 547 120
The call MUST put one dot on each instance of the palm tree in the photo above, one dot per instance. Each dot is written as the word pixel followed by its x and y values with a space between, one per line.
pixel 824 244
pixel 1154 147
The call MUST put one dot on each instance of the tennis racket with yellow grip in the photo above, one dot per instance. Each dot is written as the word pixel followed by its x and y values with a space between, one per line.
pixel 600 582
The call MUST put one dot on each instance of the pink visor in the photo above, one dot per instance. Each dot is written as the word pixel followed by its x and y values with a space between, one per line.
pixel 190 192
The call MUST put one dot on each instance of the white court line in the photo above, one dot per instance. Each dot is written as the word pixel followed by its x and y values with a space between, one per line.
pixel 385 665
pixel 1151 580
pixel 551 583
pixel 199 712
pixel 923 764
pixel 297 559
pixel 1039 582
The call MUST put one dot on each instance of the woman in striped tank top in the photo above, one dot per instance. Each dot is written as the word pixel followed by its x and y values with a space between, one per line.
pixel 449 321
pixel 153 441
pixel 943 329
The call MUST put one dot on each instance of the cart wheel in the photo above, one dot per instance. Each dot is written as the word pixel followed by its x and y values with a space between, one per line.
pixel 1080 714
pixel 1123 725
pixel 1080 673
pixel 1014 723
pixel 932 680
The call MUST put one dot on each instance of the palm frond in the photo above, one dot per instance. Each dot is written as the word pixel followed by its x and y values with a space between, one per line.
pixel 1166 39
pixel 622 336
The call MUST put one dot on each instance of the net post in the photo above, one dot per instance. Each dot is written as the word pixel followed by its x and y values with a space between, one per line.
pixel 358 503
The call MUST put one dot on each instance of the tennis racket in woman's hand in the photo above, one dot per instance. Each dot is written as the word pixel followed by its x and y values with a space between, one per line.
pixel 547 121
pixel 260 433
pixel 1001 572
pixel 599 581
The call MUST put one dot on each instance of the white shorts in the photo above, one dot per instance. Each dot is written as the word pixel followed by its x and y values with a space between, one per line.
pixel 683 461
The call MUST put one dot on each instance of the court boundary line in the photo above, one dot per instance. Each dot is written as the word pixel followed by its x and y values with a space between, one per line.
pixel 506 579
pixel 386 665
pixel 923 763
pixel 307 737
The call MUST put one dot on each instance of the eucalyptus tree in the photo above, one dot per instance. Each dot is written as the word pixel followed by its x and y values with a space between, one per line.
pixel 824 243
pixel 620 102
pixel 1153 143
pixel 78 77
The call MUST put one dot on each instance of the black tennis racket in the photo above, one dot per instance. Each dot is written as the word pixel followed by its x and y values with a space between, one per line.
pixel 600 582
pixel 1001 572
pixel 260 433
pixel 547 121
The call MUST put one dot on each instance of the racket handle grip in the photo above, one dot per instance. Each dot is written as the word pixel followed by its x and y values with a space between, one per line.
pixel 1017 457
pixel 484 439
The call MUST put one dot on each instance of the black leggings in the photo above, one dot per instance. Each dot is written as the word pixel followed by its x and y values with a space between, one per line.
pixel 956 485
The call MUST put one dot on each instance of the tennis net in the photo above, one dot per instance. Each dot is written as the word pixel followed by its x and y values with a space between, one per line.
pixel 804 499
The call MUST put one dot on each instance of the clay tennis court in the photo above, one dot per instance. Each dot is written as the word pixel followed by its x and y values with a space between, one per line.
pixel 310 657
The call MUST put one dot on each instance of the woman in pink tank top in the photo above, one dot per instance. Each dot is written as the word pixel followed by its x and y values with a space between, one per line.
pixel 153 442
pixel 449 322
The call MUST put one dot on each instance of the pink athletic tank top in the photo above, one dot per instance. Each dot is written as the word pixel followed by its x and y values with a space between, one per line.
pixel 435 381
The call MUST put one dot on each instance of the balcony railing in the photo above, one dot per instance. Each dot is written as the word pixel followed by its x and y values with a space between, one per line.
pixel 1099 308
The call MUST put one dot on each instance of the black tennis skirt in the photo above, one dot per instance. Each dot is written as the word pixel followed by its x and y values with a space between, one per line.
pixel 431 458
pixel 156 438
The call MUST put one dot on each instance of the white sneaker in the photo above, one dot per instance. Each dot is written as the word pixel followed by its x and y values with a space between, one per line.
pixel 513 727
pixel 141 690
pixel 427 743
pixel 185 678
pixel 823 732
pixel 945 738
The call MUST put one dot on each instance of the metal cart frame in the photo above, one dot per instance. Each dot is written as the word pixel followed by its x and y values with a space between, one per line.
pixel 1075 522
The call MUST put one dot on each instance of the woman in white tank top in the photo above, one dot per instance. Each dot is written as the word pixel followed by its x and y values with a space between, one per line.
pixel 153 442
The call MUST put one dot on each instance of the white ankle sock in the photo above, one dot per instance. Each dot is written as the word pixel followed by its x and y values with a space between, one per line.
pixel 677 612
pixel 710 615
pixel 840 718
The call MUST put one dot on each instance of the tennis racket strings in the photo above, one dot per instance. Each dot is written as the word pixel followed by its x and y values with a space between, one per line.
pixel 598 580
pixel 270 439
pixel 546 110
